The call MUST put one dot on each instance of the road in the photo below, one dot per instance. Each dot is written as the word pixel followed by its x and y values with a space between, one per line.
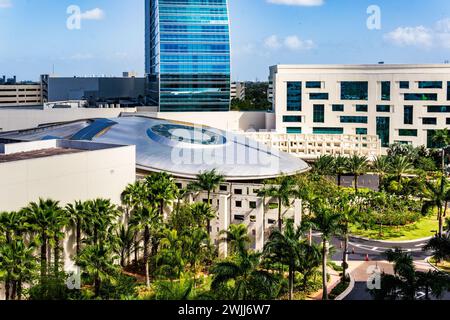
pixel 360 249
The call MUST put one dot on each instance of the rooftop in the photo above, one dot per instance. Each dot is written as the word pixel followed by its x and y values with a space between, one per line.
pixel 35 154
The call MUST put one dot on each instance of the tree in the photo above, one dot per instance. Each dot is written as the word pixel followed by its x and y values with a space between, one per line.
pixel 283 190
pixel 197 247
pixel 436 194
pixel 284 247
pixel 440 246
pixel 202 214
pixel 135 197
pixel 161 190
pixel 250 283
pixel 97 260
pixel 407 281
pixel 144 220
pixel 124 237
pixel 347 211
pixel 17 263
pixel 207 181
pixel 358 166
pixel 442 139
pixel 340 168
pixel 237 237
pixel 77 212
pixel 324 165
pixel 400 166
pixel 170 259
pixel 42 217
pixel 381 166
pixel 102 216
pixel 326 221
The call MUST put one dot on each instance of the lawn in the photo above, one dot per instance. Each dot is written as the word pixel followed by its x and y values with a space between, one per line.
pixel 425 227
pixel 444 266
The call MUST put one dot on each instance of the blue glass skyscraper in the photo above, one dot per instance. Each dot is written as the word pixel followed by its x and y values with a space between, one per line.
pixel 188 55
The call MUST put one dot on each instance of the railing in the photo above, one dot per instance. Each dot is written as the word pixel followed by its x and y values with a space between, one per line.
pixel 312 146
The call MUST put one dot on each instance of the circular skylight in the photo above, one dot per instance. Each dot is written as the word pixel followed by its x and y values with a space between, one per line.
pixel 177 133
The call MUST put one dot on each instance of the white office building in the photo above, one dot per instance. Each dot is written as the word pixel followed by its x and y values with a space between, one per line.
pixel 397 103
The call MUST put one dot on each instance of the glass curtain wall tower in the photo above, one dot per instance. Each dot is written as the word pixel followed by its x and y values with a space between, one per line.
pixel 188 55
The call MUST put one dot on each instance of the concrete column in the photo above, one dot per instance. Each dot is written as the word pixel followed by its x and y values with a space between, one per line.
pixel 259 225
pixel 224 223
pixel 297 212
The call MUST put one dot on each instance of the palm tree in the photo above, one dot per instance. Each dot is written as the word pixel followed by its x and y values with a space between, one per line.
pixel 442 139
pixel 237 237
pixel 197 247
pixel 41 217
pixel 381 166
pixel 282 191
pixel 310 258
pixel 340 168
pixel 436 195
pixel 243 269
pixel 102 215
pixel 327 222
pixel 17 263
pixel 145 219
pixel 285 248
pixel 161 189
pixel 440 246
pixel 358 166
pixel 207 181
pixel 77 212
pixel 170 258
pixel 400 166
pixel 98 261
pixel 324 165
pixel 124 242
pixel 135 197
pixel 348 213
pixel 202 214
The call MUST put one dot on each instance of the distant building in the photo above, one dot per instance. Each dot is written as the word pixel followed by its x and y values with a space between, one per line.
pixel 398 103
pixel 128 90
pixel 238 90
pixel 13 93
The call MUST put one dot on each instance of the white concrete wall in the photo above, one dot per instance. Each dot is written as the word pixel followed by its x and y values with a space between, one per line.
pixel 66 178
pixel 332 75
pixel 231 121
pixel 19 119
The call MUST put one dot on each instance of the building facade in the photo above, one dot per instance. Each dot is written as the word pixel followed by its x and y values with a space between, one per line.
pixel 238 90
pixel 397 103
pixel 188 55
pixel 13 93
pixel 126 90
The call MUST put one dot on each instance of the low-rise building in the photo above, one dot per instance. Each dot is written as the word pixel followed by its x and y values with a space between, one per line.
pixel 13 93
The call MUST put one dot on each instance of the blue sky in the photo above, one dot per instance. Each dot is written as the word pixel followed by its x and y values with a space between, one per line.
pixel 34 36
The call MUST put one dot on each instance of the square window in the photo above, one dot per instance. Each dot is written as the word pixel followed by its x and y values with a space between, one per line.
pixel 239 204
pixel 237 191
pixel 252 204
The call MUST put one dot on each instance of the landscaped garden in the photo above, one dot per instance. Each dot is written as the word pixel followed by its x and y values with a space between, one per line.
pixel 140 251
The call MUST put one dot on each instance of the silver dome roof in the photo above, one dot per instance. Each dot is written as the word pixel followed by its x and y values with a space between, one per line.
pixel 182 149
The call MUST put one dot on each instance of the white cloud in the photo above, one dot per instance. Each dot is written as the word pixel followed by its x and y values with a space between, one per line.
pixel 292 42
pixel 272 42
pixel 437 36
pixel 295 43
pixel 411 36
pixel 5 4
pixel 306 3
pixel 94 14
